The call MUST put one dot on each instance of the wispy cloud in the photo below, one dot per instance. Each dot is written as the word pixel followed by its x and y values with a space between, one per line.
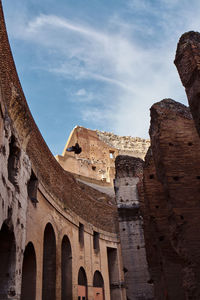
pixel 81 92
pixel 133 65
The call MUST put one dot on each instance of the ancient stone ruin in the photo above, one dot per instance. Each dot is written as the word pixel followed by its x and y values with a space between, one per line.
pixel 65 236
pixel 96 162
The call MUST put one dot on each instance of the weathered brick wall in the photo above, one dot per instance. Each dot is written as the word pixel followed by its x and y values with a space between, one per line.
pixel 99 150
pixel 171 197
pixel 164 263
pixel 126 145
pixel 187 62
pixel 15 170
pixel 129 172
pixel 58 201
pixel 58 182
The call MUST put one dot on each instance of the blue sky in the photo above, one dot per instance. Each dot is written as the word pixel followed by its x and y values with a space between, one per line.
pixel 100 64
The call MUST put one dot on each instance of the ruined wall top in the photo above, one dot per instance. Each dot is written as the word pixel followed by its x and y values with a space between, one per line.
pixel 187 62
pixel 128 166
pixel 188 56
pixel 134 146
pixel 99 151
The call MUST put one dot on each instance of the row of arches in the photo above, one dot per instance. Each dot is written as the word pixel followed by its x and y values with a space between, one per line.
pixel 98 285
pixel 28 290
pixel 29 269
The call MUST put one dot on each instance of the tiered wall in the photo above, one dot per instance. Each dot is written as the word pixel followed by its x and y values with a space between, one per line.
pixel 44 213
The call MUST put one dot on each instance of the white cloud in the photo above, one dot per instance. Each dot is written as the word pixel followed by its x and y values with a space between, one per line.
pixel 81 92
pixel 137 75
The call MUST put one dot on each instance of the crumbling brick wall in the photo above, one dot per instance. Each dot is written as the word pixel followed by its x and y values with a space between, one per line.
pixel 171 198
pixel 187 62
pixel 14 174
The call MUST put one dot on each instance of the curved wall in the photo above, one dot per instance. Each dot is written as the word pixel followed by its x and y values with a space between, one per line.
pixel 35 191
pixel 48 171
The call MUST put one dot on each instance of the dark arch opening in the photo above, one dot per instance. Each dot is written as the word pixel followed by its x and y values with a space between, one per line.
pixel 7 261
pixel 28 289
pixel 66 269
pixel 82 284
pixel 49 264
pixel 98 279
pixel 82 278
pixel 98 286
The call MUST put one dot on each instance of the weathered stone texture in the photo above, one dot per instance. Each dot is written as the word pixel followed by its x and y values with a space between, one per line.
pixel 129 172
pixel 40 203
pixel 126 145
pixel 187 62
pixel 164 263
pixel 14 174
pixel 96 162
pixel 171 197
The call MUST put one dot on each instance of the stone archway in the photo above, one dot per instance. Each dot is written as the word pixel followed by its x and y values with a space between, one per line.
pixel 8 262
pixel 82 284
pixel 49 264
pixel 98 286
pixel 28 289
pixel 66 269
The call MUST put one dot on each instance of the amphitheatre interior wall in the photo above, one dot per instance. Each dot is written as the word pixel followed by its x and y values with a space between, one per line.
pixel 99 151
pixel 41 207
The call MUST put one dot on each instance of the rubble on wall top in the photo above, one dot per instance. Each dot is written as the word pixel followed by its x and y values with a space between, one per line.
pixel 121 142
pixel 168 106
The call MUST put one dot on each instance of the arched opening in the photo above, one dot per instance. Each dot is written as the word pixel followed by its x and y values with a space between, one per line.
pixel 66 269
pixel 82 284
pixel 28 289
pixel 98 286
pixel 49 264
pixel 7 262
pixel 113 270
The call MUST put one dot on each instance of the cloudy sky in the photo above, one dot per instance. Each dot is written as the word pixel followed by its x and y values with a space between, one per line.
pixel 100 64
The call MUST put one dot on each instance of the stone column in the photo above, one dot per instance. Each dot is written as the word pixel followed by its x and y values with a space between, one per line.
pixel 129 172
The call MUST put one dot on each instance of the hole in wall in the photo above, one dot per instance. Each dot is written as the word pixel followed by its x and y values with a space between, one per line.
pixel 161 238
pixel 81 234
pixel 190 144
pixel 13 162
pixel 150 281
pixel 32 187
pixel 96 241
pixel 151 176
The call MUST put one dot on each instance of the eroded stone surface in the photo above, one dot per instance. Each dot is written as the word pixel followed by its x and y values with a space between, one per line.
pixel 187 62
pixel 96 162
pixel 42 206
pixel 14 173
pixel 129 172
pixel 172 194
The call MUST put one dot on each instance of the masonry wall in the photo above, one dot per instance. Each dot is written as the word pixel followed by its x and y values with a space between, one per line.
pixel 41 205
pixel 187 62
pixel 99 150
pixel 96 161
pixel 129 172
pixel 171 195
